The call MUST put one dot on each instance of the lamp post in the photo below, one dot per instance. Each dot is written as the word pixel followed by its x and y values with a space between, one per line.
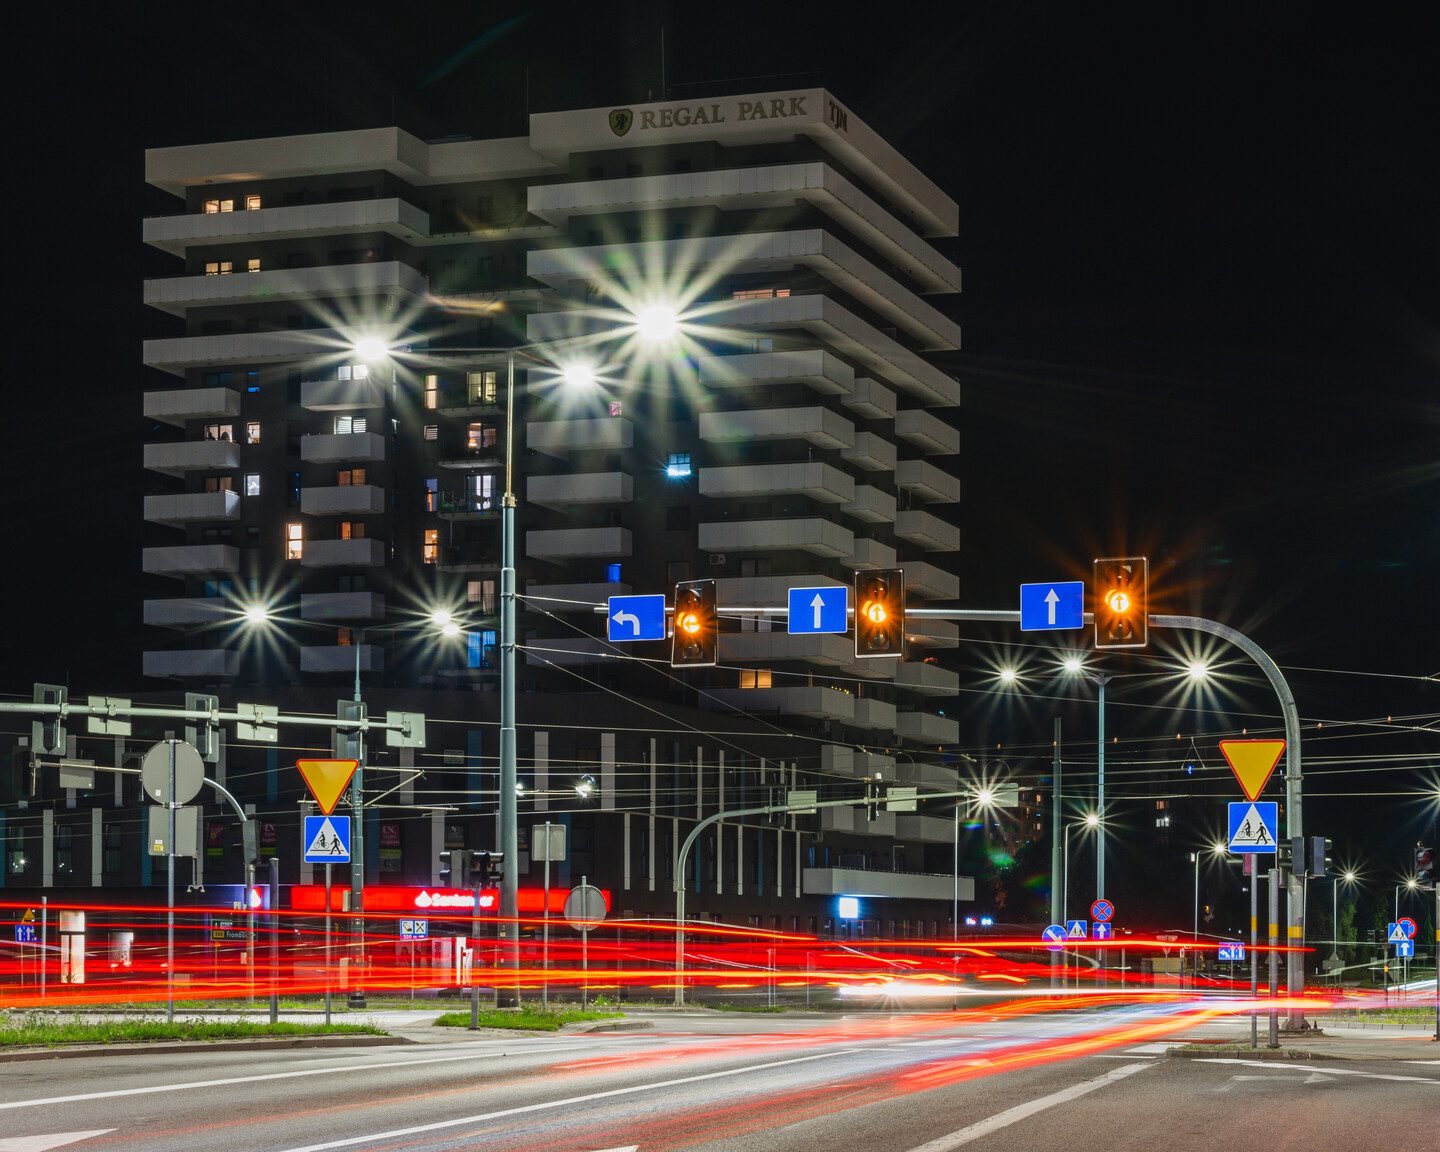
pixel 1076 667
pixel 1092 820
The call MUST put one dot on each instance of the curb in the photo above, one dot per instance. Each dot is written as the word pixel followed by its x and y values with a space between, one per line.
pixel 1260 1054
pixel 82 1051
pixel 605 1026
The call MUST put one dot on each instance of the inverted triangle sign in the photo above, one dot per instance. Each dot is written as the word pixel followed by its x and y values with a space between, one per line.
pixel 1252 761
pixel 326 780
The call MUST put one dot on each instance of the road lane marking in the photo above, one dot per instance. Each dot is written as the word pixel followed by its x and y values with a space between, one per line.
pixel 45 1143
pixel 1311 1068
pixel 396 1133
pixel 1149 1049
pixel 258 1078
pixel 1029 1108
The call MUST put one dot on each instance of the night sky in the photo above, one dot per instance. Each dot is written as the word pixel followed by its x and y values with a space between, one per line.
pixel 1200 307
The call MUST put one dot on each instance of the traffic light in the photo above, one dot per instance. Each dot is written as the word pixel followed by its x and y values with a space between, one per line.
pixel 448 879
pixel 880 614
pixel 695 637
pixel 1121 611
pixel 487 867
pixel 47 735
pixel 1316 866
pixel 1424 864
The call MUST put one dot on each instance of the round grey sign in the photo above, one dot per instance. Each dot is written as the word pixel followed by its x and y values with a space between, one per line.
pixel 155 772
pixel 584 907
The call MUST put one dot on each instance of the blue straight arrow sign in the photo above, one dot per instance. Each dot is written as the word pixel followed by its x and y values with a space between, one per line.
pixel 818 609
pixel 1051 607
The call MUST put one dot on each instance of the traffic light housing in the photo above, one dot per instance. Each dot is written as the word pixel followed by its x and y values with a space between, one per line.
pixel 448 879
pixel 1121 608
pixel 487 867
pixel 1424 864
pixel 880 614
pixel 1316 867
pixel 695 640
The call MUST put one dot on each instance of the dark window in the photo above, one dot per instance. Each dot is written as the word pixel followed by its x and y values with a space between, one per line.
pixel 677 518
pixel 111 861
pixel 292 498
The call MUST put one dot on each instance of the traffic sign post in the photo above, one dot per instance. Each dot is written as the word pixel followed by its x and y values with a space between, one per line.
pixel 414 929
pixel 1252 826
pixel 584 908
pixel 1405 949
pixel 811 610
pixel 635 618
pixel 1052 607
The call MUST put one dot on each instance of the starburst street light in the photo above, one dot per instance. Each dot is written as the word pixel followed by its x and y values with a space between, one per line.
pixel 371 348
pixel 1008 675
pixel 657 323
pixel 1073 664
pixel 1197 670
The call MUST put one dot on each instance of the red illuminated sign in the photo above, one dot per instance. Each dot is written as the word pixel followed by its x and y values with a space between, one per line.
pixel 433 901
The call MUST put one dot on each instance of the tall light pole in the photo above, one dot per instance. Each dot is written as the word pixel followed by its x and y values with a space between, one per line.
pixel 1092 820
pixel 1076 667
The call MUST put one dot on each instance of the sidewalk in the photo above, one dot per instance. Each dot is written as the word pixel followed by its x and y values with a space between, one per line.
pixel 1338 1039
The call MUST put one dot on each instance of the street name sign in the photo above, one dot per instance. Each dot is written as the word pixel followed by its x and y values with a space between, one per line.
pixel 327 839
pixel 1252 826
pixel 1102 931
pixel 326 780
pixel 1252 761
pixel 1077 929
pixel 813 610
pixel 1047 607
pixel 1232 950
pixel 1102 910
pixel 1054 936
pixel 635 618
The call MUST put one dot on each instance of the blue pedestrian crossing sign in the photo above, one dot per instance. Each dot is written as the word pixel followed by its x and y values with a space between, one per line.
pixel 1050 607
pixel 818 609
pixel 327 839
pixel 1232 950
pixel 1102 930
pixel 1253 824
pixel 635 618
pixel 1395 933
pixel 1054 937
pixel 1405 950
pixel 1077 929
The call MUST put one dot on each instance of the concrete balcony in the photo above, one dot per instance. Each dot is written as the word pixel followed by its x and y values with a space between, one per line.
pixel 819 370
pixel 327 606
pixel 872 713
pixel 341 395
pixel 871 554
pixel 939 777
pixel 925 728
pixel 570 597
pixel 853 820
pixel 190 507
pixel 871 452
pixel 302 221
pixel 926 829
pixel 815 425
pixel 362 553
pixel 560 492
pixel 929 483
pixel 174 354
pixel 178 294
pixel 927 531
pixel 928 433
pixel 870 400
pixel 560 544
pixel 821 648
pixel 342 447
pixel 189 612
pixel 928 582
pixel 178 405
pixel 764 591
pixel 821 482
pixel 569 651
pixel 926 679
pixel 932 633
pixel 599 434
pixel 191 560
pixel 185 456
pixel 793 700
pixel 884 885
pixel 808 534
pixel 343 500
pixel 341 658
pixel 870 505
pixel 838 760
pixel 200 664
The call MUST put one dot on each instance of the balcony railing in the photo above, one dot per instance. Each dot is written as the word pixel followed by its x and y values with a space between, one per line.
pixel 467 504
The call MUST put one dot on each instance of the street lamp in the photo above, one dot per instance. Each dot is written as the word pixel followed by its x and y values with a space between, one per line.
pixel 1091 820
pixel 1216 849
pixel 1075 667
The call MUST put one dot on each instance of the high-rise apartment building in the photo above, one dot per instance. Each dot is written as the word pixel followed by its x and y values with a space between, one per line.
pixel 336 438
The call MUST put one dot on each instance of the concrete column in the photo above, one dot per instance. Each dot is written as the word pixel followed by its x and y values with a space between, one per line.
pixel 626 839
pixel 652 798
pixel 542 771
pixel 437 845
pixel 654 843
pixel 407 765
pixel 607 770
pixel 97 848
pixel 47 848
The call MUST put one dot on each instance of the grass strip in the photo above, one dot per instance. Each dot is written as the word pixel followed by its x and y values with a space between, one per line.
pixel 531 1019
pixel 49 1031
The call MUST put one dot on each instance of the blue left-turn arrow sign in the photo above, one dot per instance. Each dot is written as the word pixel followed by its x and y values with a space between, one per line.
pixel 636 618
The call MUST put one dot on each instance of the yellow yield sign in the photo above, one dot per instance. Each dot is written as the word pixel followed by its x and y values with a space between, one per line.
pixel 1252 761
pixel 326 780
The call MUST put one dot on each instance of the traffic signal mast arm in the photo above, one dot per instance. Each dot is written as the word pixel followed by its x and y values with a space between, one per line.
pixel 405 724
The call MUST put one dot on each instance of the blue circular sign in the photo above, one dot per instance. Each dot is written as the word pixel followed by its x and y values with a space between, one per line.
pixel 1101 911
pixel 1056 934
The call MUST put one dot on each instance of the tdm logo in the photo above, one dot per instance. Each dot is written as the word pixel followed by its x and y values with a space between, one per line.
pixel 620 121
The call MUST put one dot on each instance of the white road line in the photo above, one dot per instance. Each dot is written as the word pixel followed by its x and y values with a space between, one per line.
pixel 1328 1070
pixel 259 1078
pixel 396 1133
pixel 1029 1108
pixel 1150 1049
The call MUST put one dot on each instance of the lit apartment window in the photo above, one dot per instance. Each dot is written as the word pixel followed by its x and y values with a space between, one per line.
pixel 480 387
pixel 480 650
pixel 219 484
pixel 252 264
pixel 432 494
pixel 344 637
pixel 252 203
pixel 252 432
pixel 615 408
pixel 479 437
pixel 219 205
pixel 678 465
pixel 481 593
pixel 432 391
pixel 353 372
pixel 348 477
pixel 760 294
pixel 219 432
pixel 352 530
pixel 432 432
pixel 219 267
pixel 481 488
pixel 432 545
pixel 346 425
pixel 294 541
pixel 755 678
pixel 252 483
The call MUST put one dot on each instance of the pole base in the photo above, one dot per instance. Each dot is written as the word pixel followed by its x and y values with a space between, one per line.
pixel 356 999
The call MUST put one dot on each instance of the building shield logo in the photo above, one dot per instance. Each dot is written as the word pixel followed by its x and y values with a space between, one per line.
pixel 620 121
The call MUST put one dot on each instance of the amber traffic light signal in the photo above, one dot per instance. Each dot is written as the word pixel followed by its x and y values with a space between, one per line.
pixel 880 614
pixel 694 639
pixel 1121 608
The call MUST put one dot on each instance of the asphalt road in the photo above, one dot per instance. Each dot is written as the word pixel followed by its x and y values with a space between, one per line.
pixel 927 1082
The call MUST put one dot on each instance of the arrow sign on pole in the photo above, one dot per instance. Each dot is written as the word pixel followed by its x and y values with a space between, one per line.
pixel 326 780
pixel 1252 761
pixel 636 618
pixel 817 609
pixel 1056 606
